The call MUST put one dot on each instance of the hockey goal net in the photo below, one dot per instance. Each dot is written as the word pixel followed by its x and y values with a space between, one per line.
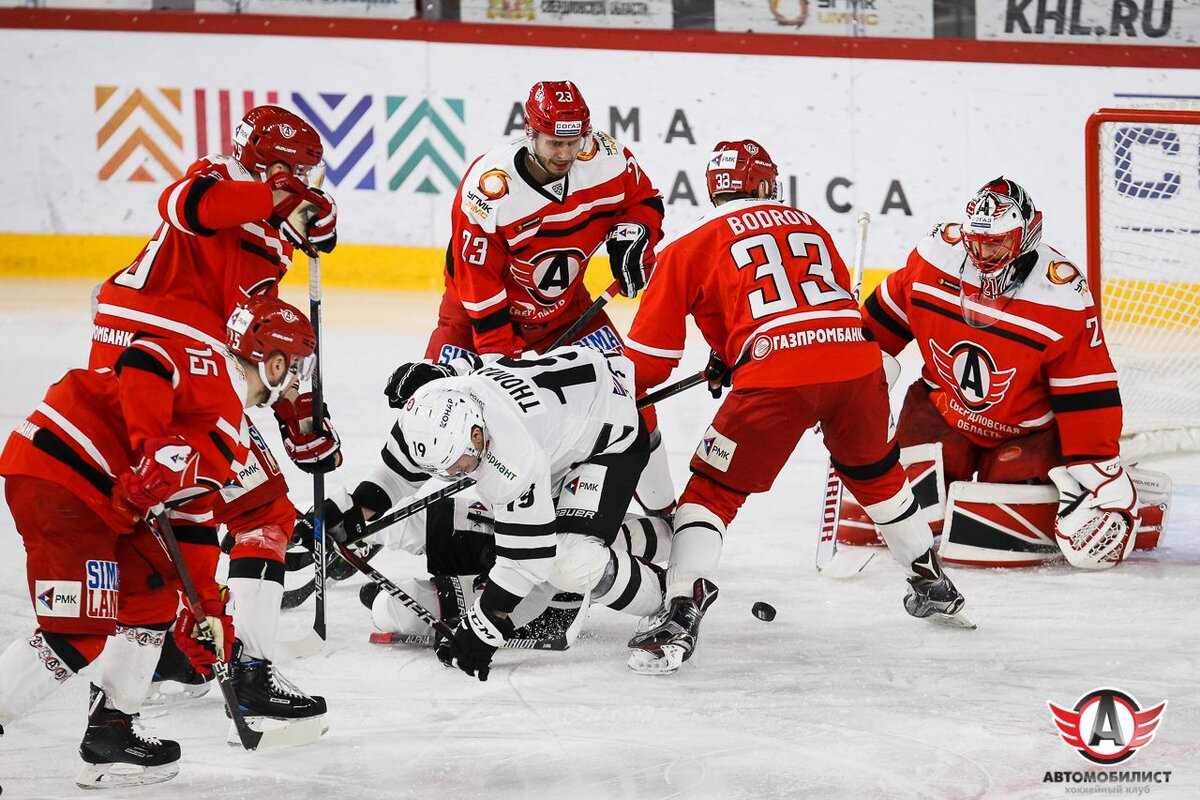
pixel 1143 220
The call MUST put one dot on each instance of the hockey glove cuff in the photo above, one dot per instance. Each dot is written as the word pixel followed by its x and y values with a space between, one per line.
pixel 409 377
pixel 718 374
pixel 475 641
pixel 314 453
pixel 203 651
pixel 630 256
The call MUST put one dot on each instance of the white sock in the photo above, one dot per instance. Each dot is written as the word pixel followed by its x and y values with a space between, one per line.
pixel 655 490
pixel 127 666
pixel 900 524
pixel 695 548
pixel 254 606
pixel 29 673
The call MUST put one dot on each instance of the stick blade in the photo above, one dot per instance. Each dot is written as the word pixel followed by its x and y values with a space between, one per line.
pixel 306 646
pixel 847 562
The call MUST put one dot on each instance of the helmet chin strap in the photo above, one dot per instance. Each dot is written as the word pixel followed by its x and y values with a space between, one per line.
pixel 276 391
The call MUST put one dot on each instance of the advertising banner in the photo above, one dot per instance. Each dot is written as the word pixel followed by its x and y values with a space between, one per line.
pixel 390 9
pixel 909 19
pixel 108 119
pixel 1124 22
pixel 582 13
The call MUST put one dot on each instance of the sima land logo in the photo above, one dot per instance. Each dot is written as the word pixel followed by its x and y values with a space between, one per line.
pixel 1107 726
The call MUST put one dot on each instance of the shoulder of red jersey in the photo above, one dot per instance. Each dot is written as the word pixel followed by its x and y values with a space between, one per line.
pixel 219 166
pixel 493 193
pixel 1057 282
pixel 730 217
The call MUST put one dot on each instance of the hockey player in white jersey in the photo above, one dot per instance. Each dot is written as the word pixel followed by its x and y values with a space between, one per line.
pixel 555 446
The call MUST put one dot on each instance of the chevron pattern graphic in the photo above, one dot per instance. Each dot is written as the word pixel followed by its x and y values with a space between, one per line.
pixel 218 112
pixel 345 124
pixel 425 149
pixel 139 134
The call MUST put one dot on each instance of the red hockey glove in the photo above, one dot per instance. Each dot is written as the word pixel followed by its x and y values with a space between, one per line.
pixel 301 213
pixel 167 465
pixel 202 652
pixel 313 453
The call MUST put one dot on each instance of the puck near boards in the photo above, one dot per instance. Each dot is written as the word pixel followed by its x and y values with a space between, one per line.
pixel 764 611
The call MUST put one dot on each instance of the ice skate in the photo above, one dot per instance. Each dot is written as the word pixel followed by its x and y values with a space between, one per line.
pixel 175 682
pixel 270 702
pixel 673 633
pixel 118 754
pixel 932 596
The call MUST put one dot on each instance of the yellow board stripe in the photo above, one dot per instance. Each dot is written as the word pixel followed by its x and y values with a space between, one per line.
pixel 355 266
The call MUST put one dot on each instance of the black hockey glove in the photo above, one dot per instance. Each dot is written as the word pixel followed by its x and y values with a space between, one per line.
pixel 475 641
pixel 630 256
pixel 409 377
pixel 718 374
pixel 341 525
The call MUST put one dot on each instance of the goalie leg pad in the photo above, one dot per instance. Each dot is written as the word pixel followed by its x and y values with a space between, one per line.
pixel 999 525
pixel 1154 491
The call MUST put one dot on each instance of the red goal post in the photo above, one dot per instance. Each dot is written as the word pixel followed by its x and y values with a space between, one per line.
pixel 1143 243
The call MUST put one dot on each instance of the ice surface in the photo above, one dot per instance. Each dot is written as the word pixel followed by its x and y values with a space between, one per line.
pixel 842 696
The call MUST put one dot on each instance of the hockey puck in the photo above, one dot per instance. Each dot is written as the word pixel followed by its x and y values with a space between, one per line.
pixel 764 611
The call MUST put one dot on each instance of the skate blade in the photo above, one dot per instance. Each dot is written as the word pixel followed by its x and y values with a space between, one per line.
pixel 282 732
pixel 160 701
pixel 847 563
pixel 417 639
pixel 951 621
pixel 664 662
pixel 117 775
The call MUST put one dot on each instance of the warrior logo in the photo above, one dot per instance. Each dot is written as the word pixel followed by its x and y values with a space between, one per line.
pixel 549 274
pixel 971 372
pixel 1107 726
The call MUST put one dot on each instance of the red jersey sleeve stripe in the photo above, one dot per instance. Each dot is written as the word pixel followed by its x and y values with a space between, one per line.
pixel 879 314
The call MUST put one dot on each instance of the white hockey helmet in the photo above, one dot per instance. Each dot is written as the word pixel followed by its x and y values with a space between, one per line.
pixel 436 423
pixel 1002 225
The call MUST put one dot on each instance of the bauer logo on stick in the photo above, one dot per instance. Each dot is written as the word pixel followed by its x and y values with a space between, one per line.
pixel 1107 726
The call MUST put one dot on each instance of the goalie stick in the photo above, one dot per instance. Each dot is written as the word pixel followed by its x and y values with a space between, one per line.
pixel 831 562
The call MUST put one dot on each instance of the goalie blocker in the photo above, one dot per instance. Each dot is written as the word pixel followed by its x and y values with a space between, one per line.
pixel 1000 524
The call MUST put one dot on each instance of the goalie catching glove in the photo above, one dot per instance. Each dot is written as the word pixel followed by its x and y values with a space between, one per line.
pixel 630 256
pixel 314 453
pixel 1097 506
pixel 304 215
pixel 476 639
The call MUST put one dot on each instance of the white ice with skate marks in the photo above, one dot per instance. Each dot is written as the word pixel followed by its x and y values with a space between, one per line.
pixel 842 696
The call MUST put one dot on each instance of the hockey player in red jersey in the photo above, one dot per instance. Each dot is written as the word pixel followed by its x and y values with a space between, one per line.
pixel 768 290
pixel 104 446
pixel 228 232
pixel 1017 384
pixel 526 220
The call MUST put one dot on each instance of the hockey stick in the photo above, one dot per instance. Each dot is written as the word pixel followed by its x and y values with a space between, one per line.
pixel 831 562
pixel 671 390
pixel 249 737
pixel 587 316
pixel 395 591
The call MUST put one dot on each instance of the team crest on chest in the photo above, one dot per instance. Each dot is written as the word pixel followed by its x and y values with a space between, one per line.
pixel 970 371
pixel 550 273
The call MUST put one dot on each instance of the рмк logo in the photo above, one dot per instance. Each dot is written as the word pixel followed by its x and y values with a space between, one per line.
pixel 1107 726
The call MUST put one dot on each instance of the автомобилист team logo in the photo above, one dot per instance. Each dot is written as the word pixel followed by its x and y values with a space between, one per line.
pixel 1107 727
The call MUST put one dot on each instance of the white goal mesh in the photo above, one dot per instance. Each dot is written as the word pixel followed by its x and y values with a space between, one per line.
pixel 1144 263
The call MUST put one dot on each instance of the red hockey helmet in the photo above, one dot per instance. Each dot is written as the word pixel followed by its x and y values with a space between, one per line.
pixel 263 326
pixel 1002 225
pixel 270 134
pixel 556 108
pixel 740 167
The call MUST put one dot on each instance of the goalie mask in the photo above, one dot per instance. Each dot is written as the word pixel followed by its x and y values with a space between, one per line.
pixel 437 423
pixel 740 167
pixel 269 135
pixel 1001 226
pixel 263 326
